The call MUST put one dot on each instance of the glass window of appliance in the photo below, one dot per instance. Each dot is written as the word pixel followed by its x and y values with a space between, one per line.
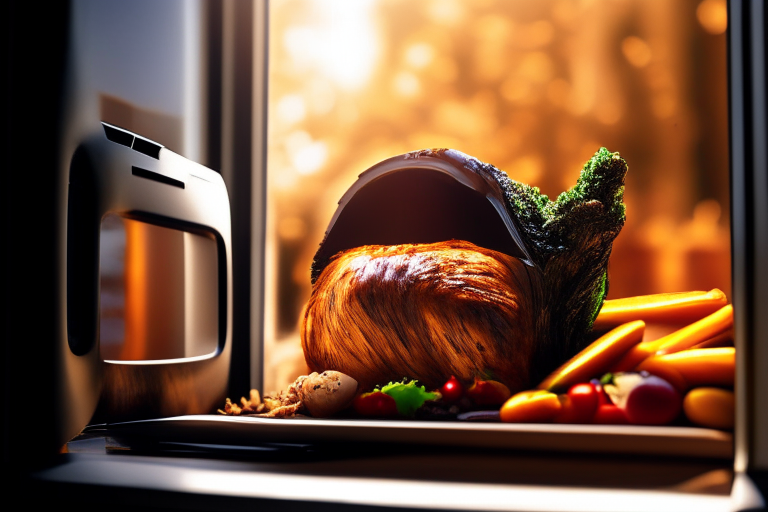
pixel 533 87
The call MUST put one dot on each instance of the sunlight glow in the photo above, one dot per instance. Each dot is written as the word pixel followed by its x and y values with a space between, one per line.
pixel 306 156
pixel 419 55
pixel 291 109
pixel 344 45
pixel 406 84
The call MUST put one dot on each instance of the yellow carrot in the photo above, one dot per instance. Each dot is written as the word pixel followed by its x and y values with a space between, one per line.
pixel 694 367
pixel 662 308
pixel 698 332
pixel 636 355
pixel 724 339
pixel 597 358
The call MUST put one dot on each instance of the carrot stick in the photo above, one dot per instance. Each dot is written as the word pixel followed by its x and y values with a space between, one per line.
pixel 698 332
pixel 724 339
pixel 690 335
pixel 637 355
pixel 694 367
pixel 597 358
pixel 663 307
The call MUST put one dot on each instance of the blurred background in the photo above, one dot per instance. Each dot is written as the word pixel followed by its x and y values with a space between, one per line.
pixel 534 87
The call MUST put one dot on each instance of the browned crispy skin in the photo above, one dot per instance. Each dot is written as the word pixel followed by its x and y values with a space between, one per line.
pixel 423 311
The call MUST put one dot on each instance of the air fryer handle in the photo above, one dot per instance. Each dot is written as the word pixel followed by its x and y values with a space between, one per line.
pixel 82 254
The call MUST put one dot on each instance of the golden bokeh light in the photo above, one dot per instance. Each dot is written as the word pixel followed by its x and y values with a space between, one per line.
pixel 446 12
pixel 290 109
pixel 713 16
pixel 419 55
pixel 292 229
pixel 637 51
pixel 406 84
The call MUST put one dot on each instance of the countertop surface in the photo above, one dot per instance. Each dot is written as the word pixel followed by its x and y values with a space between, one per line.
pixel 139 472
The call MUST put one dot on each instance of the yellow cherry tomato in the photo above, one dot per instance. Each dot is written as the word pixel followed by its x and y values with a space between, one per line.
pixel 537 406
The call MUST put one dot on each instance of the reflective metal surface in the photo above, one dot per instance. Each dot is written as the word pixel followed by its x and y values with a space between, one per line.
pixel 158 296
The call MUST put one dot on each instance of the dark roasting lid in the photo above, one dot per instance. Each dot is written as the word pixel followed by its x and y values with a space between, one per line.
pixel 425 196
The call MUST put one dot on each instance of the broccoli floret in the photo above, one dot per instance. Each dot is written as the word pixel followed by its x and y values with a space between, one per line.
pixel 569 240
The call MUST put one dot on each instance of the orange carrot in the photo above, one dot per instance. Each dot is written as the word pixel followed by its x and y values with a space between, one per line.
pixel 663 307
pixel 698 332
pixel 710 407
pixel 724 339
pixel 637 355
pixel 694 367
pixel 597 358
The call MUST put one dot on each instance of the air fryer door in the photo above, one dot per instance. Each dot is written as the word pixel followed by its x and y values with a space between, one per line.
pixel 149 276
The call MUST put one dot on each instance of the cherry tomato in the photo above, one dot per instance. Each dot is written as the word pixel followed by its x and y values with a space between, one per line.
pixel 610 414
pixel 602 396
pixel 567 412
pixel 579 404
pixel 654 402
pixel 585 399
pixel 452 390
pixel 646 399
pixel 375 404
pixel 488 392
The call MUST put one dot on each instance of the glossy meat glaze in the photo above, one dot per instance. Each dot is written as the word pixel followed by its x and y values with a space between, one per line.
pixel 423 311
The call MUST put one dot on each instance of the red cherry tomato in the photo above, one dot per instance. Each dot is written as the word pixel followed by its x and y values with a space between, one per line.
pixel 375 404
pixel 585 398
pixel 602 396
pixel 580 404
pixel 568 413
pixel 610 414
pixel 488 392
pixel 654 402
pixel 646 399
pixel 452 390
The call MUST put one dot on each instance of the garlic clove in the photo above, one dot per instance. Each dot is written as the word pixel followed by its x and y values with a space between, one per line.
pixel 324 394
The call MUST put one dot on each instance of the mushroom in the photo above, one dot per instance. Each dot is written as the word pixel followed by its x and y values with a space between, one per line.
pixel 324 394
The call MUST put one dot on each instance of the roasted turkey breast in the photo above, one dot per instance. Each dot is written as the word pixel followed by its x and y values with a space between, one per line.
pixel 423 311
